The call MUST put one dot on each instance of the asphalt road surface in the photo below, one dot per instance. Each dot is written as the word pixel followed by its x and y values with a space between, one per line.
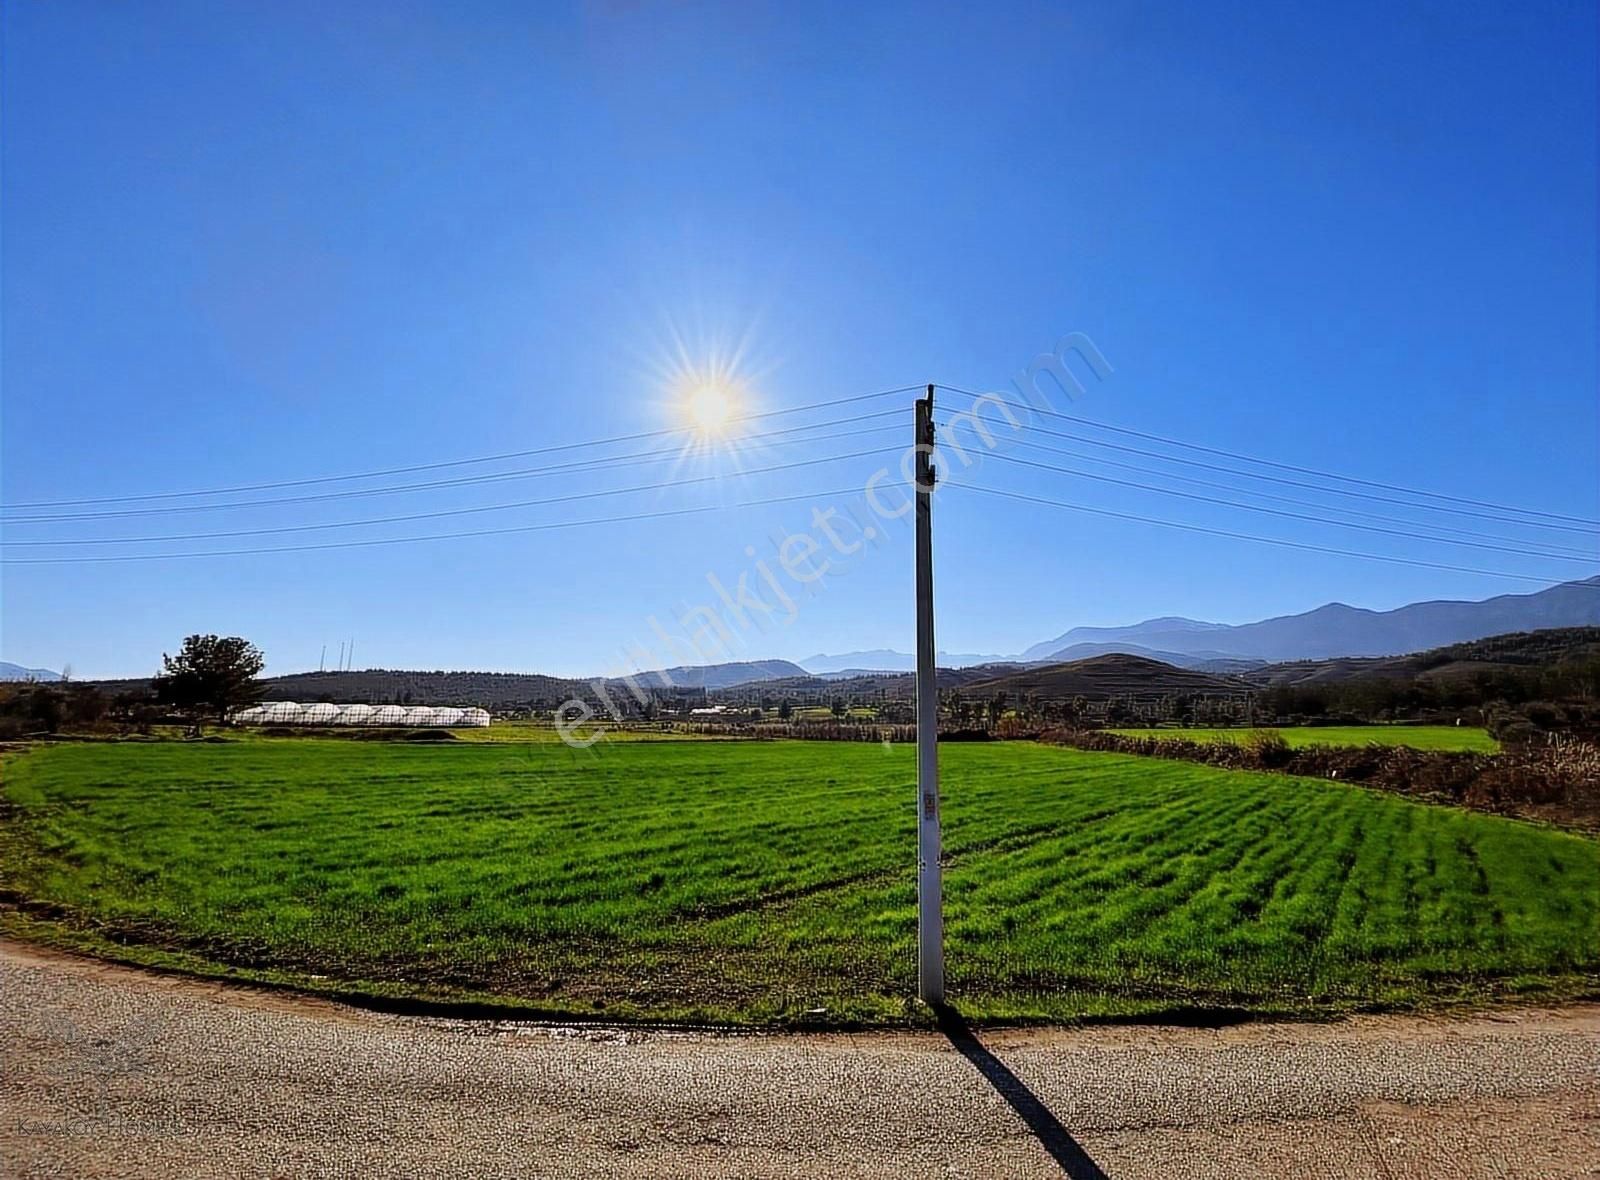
pixel 112 1072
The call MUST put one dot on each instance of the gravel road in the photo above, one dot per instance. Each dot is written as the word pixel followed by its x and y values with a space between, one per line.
pixel 114 1072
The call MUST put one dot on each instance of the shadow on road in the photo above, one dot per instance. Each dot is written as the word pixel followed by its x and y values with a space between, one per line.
pixel 1063 1148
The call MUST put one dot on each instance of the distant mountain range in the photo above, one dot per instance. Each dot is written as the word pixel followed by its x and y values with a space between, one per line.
pixel 1094 677
pixel 1111 636
pixel 717 675
pixel 882 659
pixel 1328 632
pixel 18 672
pixel 1221 651
pixel 1340 630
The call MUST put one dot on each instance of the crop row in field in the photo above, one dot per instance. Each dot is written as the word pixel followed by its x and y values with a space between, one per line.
pixel 759 880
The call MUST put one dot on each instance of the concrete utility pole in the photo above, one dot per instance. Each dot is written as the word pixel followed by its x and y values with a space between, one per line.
pixel 930 880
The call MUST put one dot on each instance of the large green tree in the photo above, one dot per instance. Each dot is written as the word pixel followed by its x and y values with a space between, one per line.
pixel 211 674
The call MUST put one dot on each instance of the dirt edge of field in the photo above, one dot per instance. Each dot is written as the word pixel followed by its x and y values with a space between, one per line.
pixel 248 987
pixel 1356 1027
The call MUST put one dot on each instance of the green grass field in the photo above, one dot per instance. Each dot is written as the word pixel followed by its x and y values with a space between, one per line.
pixel 1419 737
pixel 755 881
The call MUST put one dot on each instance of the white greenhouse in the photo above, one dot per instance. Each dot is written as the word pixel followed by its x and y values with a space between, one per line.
pixel 325 713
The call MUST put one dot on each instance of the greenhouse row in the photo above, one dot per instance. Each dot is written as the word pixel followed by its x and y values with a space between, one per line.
pixel 421 716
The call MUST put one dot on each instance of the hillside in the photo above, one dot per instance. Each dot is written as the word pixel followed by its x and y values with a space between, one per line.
pixel 1109 675
pixel 489 690
pixel 1520 649
pixel 883 659
pixel 861 686
pixel 714 676
pixel 1201 660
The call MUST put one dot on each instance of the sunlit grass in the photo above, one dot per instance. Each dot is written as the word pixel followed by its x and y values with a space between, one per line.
pixel 760 880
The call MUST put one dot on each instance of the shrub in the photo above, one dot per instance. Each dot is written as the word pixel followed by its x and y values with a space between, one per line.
pixel 1269 748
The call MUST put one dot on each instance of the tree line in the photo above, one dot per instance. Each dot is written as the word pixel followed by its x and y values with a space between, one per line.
pixel 210 677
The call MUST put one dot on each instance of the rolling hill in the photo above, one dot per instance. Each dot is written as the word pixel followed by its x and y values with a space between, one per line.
pixel 489 690
pixel 714 676
pixel 1109 675
pixel 883 659
pixel 860 685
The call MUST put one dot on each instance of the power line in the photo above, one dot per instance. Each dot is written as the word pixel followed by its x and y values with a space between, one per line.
pixel 575 467
pixel 1541 547
pixel 1520 551
pixel 550 450
pixel 1296 483
pixel 1255 475
pixel 1580 520
pixel 438 514
pixel 529 528
pixel 1237 536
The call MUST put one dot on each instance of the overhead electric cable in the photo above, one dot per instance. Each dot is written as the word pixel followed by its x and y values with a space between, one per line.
pixel 1519 550
pixel 550 450
pixel 1237 536
pixel 529 528
pixel 1523 544
pixel 1590 524
pixel 579 465
pixel 440 513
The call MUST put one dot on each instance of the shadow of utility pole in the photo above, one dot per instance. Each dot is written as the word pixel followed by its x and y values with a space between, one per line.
pixel 1063 1148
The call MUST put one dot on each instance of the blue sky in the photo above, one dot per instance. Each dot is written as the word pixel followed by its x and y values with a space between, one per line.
pixel 252 243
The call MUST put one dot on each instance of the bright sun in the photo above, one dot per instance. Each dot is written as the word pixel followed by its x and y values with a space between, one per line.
pixel 711 408
pixel 708 395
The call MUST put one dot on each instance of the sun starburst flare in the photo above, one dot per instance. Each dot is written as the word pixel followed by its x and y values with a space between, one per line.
pixel 711 401
pixel 710 391
pixel 712 409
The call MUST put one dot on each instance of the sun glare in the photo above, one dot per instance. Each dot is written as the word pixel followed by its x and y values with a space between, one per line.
pixel 709 392
pixel 711 408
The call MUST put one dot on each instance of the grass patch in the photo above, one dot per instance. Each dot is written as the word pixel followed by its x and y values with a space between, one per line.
pixel 757 881
pixel 1418 737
